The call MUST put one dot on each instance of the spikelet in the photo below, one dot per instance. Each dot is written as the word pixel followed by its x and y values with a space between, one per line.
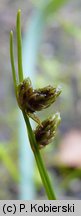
pixel 45 134
pixel 31 100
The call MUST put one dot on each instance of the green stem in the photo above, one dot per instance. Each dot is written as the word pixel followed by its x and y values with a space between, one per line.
pixel 12 60
pixel 33 143
pixel 19 46
pixel 40 164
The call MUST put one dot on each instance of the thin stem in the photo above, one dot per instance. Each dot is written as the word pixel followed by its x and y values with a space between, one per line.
pixel 40 164
pixel 19 45
pixel 33 143
pixel 12 60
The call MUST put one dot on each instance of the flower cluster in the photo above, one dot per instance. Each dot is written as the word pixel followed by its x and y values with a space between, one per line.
pixel 31 100
pixel 45 134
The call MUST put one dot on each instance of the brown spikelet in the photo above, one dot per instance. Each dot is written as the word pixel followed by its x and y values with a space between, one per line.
pixel 31 100
pixel 45 134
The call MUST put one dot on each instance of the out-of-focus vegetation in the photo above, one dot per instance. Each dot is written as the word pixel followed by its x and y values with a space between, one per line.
pixel 55 59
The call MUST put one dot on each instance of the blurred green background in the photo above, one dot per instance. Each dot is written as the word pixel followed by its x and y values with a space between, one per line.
pixel 51 34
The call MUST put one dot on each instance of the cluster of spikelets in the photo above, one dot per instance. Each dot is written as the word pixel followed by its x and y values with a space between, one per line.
pixel 31 100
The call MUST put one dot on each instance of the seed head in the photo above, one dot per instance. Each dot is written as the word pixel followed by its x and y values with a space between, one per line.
pixel 31 100
pixel 45 134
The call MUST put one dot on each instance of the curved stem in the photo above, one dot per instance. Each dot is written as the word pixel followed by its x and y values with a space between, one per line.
pixel 40 164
